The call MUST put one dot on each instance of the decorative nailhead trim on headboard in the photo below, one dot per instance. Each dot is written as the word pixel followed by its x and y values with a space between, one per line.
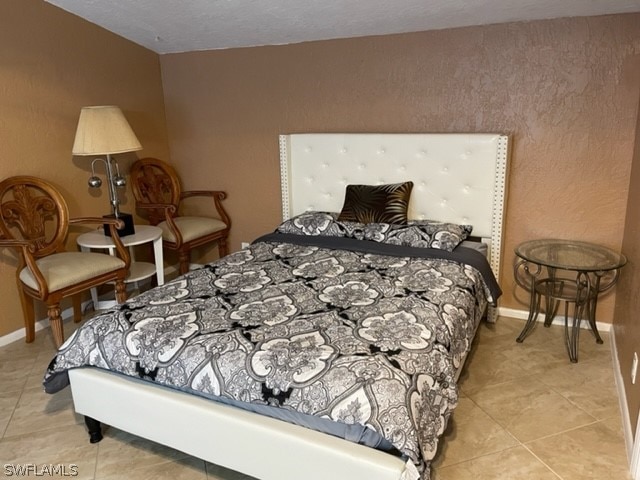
pixel 284 176
pixel 499 207
pixel 499 201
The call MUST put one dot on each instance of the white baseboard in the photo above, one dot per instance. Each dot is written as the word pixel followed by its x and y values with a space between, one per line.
pixel 622 398
pixel 634 468
pixel 18 334
pixel 67 315
pixel 557 320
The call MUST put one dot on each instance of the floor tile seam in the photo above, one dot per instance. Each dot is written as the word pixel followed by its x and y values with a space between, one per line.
pixel 542 462
pixel 17 390
pixel 566 395
pixel 23 376
pixel 37 432
pixel 506 429
pixel 42 371
pixel 537 367
pixel 545 385
pixel 487 454
pixel 572 402
pixel 95 466
pixel 6 428
pixel 543 378
pixel 515 356
pixel 493 385
pixel 568 389
pixel 95 463
pixel 470 396
pixel 503 427
pixel 563 432
pixel 518 443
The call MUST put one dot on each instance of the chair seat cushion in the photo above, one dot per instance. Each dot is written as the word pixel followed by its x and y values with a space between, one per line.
pixel 192 228
pixel 61 270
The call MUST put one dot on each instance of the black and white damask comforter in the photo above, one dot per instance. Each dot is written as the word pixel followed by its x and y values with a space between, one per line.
pixel 362 335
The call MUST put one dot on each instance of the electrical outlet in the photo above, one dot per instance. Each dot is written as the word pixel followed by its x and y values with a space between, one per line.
pixel 634 367
pixel 244 245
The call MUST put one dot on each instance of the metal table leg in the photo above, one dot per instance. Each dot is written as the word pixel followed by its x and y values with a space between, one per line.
pixel 535 297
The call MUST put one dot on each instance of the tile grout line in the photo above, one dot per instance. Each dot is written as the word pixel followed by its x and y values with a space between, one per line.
pixel 15 407
pixel 492 385
pixel 572 429
pixel 542 462
pixel 593 422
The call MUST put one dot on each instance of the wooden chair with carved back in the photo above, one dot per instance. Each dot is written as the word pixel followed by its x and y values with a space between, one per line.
pixel 34 219
pixel 157 190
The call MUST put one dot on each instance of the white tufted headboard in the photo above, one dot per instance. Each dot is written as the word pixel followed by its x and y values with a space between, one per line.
pixel 458 178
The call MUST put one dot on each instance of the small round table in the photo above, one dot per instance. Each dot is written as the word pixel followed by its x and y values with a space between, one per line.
pixel 138 270
pixel 587 265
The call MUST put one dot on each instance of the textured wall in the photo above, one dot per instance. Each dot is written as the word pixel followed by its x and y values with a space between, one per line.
pixel 626 327
pixel 566 90
pixel 51 64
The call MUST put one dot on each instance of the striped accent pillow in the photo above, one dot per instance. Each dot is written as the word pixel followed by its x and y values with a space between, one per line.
pixel 376 203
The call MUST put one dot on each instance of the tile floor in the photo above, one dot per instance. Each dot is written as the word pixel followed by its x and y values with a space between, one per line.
pixel 525 413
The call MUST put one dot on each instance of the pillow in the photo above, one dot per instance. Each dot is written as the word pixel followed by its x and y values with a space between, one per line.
pixel 376 203
pixel 321 223
pixel 419 233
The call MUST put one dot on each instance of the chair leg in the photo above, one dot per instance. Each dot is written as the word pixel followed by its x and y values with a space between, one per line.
pixel 121 291
pixel 184 260
pixel 223 249
pixel 77 308
pixel 53 311
pixel 29 316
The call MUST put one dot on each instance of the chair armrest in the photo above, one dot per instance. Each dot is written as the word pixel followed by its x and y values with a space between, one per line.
pixel 114 225
pixel 170 211
pixel 27 249
pixel 157 206
pixel 10 242
pixel 118 223
pixel 217 195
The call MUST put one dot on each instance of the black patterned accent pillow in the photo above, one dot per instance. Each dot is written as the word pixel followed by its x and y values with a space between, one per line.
pixel 419 233
pixel 376 203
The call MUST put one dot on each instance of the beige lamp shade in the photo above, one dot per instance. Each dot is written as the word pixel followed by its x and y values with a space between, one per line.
pixel 103 130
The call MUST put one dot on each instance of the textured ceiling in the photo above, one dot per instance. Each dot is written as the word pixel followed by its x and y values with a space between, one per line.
pixel 169 26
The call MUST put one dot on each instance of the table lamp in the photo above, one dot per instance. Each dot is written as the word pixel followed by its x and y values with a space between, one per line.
pixel 103 130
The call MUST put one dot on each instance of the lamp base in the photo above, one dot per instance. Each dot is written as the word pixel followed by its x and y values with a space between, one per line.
pixel 128 229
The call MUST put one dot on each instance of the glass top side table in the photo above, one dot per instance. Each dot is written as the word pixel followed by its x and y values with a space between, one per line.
pixel 587 264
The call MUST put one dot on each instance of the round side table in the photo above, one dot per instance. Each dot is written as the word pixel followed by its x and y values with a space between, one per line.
pixel 589 270
pixel 138 270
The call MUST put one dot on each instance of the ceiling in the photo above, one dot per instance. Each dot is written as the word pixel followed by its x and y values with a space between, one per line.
pixel 171 26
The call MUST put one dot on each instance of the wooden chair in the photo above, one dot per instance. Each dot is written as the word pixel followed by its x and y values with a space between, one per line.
pixel 156 188
pixel 34 219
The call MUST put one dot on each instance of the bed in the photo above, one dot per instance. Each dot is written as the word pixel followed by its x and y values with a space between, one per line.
pixel 283 334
